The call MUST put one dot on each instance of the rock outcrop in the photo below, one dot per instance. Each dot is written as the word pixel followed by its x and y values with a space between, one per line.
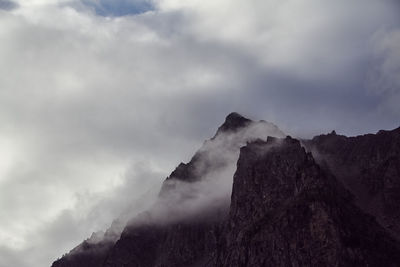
pixel 292 204
pixel 369 167
pixel 286 211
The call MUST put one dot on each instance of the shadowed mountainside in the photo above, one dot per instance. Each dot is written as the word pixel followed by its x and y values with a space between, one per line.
pixel 369 167
pixel 286 211
pixel 292 204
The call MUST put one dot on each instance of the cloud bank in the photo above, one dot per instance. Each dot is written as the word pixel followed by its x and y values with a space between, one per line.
pixel 98 104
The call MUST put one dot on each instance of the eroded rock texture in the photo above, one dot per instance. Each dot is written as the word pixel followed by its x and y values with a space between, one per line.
pixel 369 167
pixel 329 201
pixel 286 211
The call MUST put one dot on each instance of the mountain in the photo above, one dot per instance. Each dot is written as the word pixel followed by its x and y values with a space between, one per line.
pixel 369 167
pixel 286 211
pixel 328 201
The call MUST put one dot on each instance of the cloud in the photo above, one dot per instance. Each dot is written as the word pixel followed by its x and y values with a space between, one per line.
pixel 90 213
pixel 87 96
pixel 384 77
pixel 214 167
pixel 8 5
pixel 114 8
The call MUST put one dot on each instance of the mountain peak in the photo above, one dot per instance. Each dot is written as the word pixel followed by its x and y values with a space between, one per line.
pixel 253 196
pixel 233 122
pixel 234 115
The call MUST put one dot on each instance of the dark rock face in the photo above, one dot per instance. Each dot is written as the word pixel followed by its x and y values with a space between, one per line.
pixel 189 171
pixel 286 211
pixel 233 122
pixel 369 167
pixel 287 208
pixel 86 255
pixel 182 244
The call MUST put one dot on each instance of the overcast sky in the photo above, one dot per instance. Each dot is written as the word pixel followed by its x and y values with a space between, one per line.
pixel 100 100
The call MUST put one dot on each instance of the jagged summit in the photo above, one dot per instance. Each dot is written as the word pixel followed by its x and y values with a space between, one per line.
pixel 329 201
pixel 233 122
pixel 209 156
pixel 394 131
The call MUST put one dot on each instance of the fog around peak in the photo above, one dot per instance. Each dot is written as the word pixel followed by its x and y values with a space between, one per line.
pixel 214 167
pixel 201 197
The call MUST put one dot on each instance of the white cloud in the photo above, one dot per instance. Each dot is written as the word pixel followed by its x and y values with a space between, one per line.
pixel 289 35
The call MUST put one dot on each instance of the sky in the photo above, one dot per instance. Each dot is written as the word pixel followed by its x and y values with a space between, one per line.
pixel 100 100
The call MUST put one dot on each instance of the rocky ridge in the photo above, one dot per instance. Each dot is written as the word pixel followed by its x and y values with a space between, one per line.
pixel 369 167
pixel 292 204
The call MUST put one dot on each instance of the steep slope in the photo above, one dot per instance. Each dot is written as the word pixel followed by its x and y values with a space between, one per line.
pixel 198 191
pixel 285 207
pixel 92 252
pixel 286 211
pixel 184 243
pixel 194 200
pixel 369 167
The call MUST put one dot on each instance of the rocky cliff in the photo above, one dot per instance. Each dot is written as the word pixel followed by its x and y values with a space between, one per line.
pixel 292 204
pixel 369 167
pixel 287 211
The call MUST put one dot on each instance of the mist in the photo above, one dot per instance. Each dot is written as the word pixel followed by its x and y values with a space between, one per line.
pixel 214 168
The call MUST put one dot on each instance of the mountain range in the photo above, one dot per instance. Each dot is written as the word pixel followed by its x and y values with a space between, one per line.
pixel 253 196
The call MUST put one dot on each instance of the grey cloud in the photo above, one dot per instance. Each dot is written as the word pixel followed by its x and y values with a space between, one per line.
pixel 91 213
pixel 84 98
pixel 8 5
pixel 10 257
pixel 383 77
pixel 216 165
pixel 114 8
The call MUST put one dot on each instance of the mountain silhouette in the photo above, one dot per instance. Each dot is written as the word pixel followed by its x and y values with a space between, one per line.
pixel 252 196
